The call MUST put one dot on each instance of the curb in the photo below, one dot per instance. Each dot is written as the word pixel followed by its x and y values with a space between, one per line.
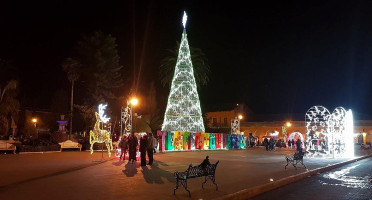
pixel 257 190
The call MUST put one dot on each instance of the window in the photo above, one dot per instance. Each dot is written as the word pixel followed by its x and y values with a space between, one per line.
pixel 214 122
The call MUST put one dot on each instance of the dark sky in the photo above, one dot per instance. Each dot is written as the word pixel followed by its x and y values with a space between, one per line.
pixel 278 57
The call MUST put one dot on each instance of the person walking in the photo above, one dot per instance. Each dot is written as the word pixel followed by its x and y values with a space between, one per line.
pixel 123 146
pixel 150 148
pixel 143 149
pixel 133 143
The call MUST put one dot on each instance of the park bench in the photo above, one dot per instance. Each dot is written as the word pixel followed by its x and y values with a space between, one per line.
pixel 295 159
pixel 5 146
pixel 68 144
pixel 193 172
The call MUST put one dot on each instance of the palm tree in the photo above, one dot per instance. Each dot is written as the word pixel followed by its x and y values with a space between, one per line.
pixel 9 105
pixel 72 68
pixel 199 61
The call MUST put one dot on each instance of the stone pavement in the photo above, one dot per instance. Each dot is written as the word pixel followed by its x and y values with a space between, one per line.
pixel 77 175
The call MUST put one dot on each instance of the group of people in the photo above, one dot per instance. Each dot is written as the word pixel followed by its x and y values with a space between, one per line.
pixel 270 144
pixel 147 145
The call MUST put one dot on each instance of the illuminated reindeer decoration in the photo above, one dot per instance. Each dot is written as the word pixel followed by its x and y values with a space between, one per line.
pixel 98 135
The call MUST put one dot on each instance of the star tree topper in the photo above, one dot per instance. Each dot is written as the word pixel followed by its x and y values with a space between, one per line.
pixel 184 19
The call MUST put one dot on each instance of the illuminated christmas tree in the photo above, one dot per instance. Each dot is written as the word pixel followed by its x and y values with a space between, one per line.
pixel 183 111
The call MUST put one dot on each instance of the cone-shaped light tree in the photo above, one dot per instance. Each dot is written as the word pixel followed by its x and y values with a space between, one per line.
pixel 183 112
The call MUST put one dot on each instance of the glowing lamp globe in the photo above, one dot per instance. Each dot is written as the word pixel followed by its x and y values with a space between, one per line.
pixel 134 101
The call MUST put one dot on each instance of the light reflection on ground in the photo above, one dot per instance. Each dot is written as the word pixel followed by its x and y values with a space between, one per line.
pixel 341 178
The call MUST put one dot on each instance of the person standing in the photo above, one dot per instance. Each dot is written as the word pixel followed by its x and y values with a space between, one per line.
pixel 123 146
pixel 266 143
pixel 143 149
pixel 150 148
pixel 133 143
pixel 272 144
pixel 299 146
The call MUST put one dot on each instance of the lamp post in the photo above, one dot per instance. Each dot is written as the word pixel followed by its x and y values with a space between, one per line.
pixel 34 120
pixel 133 102
pixel 284 130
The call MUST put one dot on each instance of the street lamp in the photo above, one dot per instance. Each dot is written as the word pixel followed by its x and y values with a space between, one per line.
pixel 240 117
pixel 133 102
pixel 34 120
pixel 288 124
pixel 284 130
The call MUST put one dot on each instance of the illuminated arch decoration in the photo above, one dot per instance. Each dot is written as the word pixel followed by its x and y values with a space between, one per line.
pixel 183 112
pixel 295 136
pixel 97 135
pixel 333 130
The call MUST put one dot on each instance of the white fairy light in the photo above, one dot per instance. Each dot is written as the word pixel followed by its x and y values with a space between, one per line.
pixel 183 112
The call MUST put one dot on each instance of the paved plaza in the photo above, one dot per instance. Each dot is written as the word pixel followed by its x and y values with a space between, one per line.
pixel 80 175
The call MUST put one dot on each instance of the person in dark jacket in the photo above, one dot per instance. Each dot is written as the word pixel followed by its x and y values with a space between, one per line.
pixel 266 144
pixel 133 143
pixel 272 144
pixel 150 148
pixel 205 162
pixel 299 146
pixel 123 146
pixel 143 149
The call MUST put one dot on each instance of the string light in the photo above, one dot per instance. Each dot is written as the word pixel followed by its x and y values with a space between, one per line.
pixel 97 135
pixel 183 112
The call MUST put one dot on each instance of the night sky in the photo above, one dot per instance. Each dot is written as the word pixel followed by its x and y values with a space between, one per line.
pixel 277 57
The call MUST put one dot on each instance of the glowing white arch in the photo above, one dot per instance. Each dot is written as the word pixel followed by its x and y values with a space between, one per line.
pixel 336 127
pixel 316 119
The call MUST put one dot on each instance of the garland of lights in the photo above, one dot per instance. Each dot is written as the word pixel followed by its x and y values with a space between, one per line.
pixel 183 112
pixel 97 135
pixel 336 127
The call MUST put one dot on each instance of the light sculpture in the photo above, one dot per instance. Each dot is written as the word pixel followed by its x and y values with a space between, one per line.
pixel 183 112
pixel 336 128
pixel 126 118
pixel 97 135
pixel 235 126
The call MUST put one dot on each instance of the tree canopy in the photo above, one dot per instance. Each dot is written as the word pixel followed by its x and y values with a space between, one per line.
pixel 101 70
